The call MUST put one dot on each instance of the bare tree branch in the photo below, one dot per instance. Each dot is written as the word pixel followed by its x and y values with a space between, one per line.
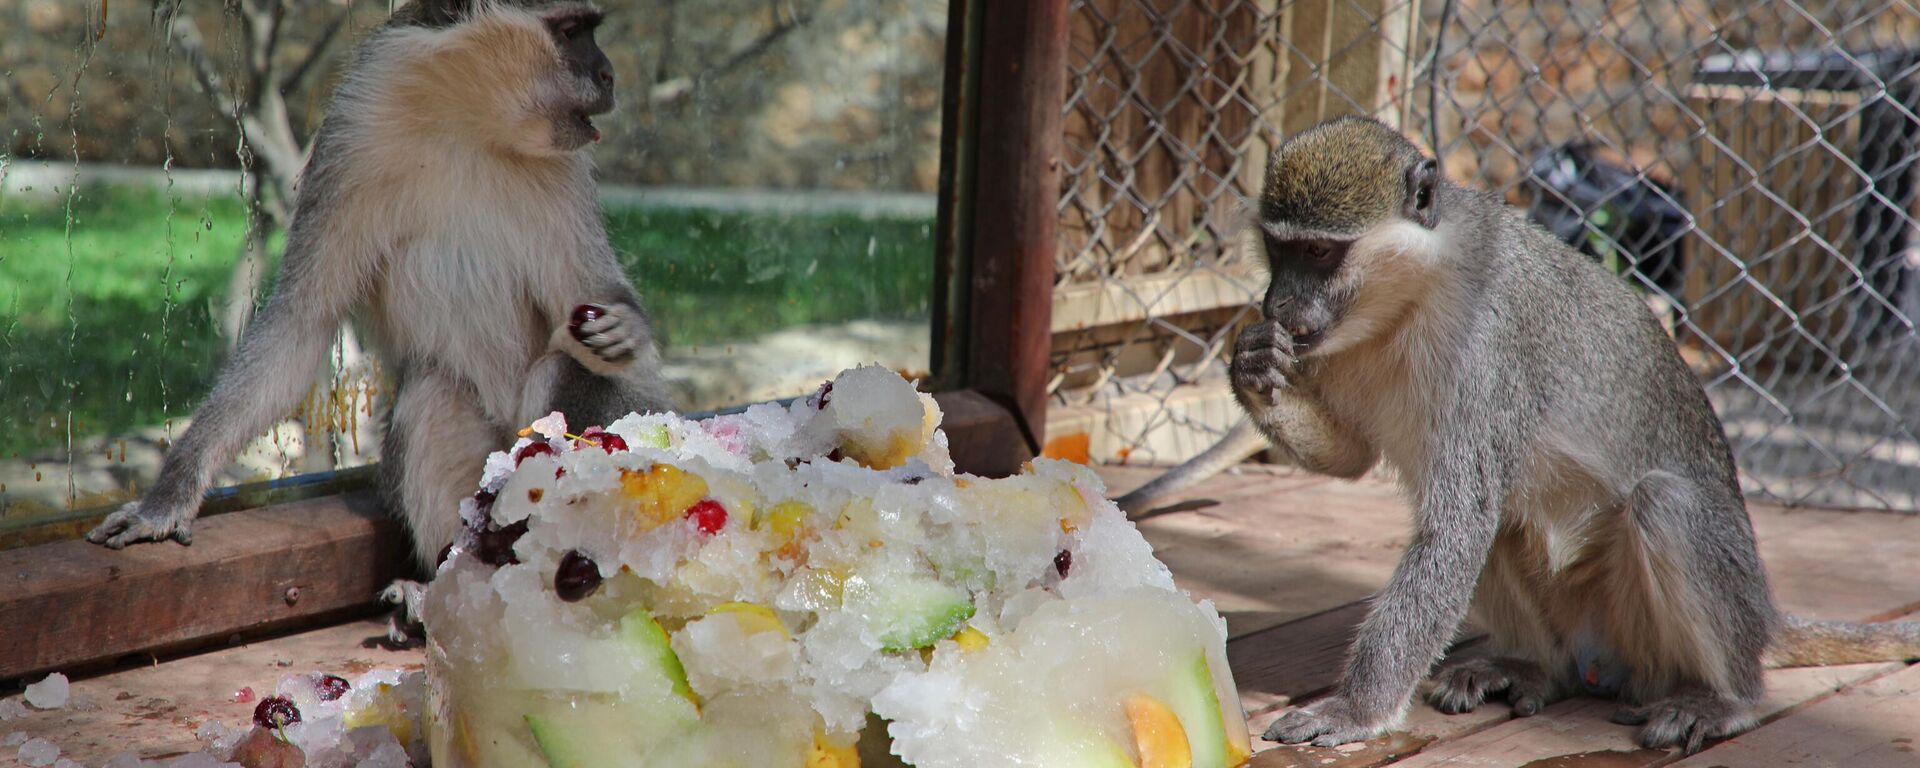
pixel 297 76
pixel 273 144
pixel 674 90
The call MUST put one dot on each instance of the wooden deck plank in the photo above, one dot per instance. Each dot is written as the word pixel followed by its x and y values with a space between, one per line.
pixel 1270 545
pixel 1287 557
pixel 1579 727
pixel 1868 726
pixel 1823 564
pixel 153 711
pixel 1424 726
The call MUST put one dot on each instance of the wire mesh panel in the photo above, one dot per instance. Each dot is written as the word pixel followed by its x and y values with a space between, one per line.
pixel 1746 166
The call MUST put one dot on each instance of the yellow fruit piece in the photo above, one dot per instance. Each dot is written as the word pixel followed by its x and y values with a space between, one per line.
pixel 1072 504
pixel 661 494
pixel 754 618
pixel 384 710
pixel 823 585
pixel 785 519
pixel 463 736
pixel 1157 734
pixel 900 445
pixel 970 639
pixel 827 754
pixel 1237 755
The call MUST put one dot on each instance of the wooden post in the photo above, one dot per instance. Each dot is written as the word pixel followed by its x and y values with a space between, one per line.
pixel 1016 196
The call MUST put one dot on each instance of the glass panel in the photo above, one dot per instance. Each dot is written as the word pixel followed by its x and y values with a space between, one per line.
pixel 767 180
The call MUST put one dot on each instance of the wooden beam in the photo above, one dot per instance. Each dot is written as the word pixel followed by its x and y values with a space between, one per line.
pixel 1133 299
pixel 982 436
pixel 73 604
pixel 75 524
pixel 1016 195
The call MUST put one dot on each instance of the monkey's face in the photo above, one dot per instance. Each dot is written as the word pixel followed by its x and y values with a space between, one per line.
pixel 581 87
pixel 1346 225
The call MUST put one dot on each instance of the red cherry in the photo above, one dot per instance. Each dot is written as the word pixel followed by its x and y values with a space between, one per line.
pixel 533 449
pixel 276 712
pixel 583 314
pixel 708 516
pixel 243 695
pixel 1063 562
pixel 332 687
pixel 607 441
pixel 820 399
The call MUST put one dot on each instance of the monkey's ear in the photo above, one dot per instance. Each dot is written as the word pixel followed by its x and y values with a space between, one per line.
pixel 1422 203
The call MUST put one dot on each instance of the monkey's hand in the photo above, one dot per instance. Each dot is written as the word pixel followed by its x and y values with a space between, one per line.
pixel 612 335
pixel 148 519
pixel 1329 722
pixel 1262 359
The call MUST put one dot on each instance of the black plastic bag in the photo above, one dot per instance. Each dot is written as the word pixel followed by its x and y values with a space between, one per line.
pixel 1609 212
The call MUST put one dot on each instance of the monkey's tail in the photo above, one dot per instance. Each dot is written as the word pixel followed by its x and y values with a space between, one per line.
pixel 1809 643
pixel 1239 443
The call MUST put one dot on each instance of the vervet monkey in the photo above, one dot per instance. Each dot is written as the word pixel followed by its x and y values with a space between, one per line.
pixel 1569 480
pixel 450 208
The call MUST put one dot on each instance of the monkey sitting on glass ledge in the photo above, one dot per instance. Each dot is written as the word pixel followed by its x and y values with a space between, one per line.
pixel 1569 479
pixel 450 206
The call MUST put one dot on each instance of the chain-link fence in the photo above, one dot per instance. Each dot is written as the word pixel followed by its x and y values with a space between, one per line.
pixel 1748 166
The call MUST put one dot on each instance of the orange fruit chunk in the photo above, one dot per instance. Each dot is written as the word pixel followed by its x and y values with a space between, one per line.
pixel 1157 734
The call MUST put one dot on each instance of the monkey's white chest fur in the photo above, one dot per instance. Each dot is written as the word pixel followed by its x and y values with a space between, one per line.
pixel 461 251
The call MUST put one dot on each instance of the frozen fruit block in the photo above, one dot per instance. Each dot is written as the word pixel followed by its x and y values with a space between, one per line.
pixel 773 588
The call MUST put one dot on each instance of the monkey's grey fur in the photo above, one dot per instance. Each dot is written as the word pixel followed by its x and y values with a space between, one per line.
pixel 1569 480
pixel 448 208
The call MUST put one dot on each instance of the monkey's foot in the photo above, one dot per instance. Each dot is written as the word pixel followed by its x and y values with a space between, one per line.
pixel 1329 722
pixel 1461 687
pixel 403 625
pixel 1687 720
pixel 139 521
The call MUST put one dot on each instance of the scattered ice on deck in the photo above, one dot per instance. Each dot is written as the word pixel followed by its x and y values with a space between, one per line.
pixel 66 763
pixel 50 693
pixel 11 708
pixel 126 760
pixel 219 737
pixel 15 739
pixel 38 752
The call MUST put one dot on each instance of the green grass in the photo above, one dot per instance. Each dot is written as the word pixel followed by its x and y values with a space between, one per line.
pixel 109 314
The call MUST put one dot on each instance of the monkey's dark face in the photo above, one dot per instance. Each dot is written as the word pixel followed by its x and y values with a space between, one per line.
pixel 1303 294
pixel 586 82
pixel 1347 226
